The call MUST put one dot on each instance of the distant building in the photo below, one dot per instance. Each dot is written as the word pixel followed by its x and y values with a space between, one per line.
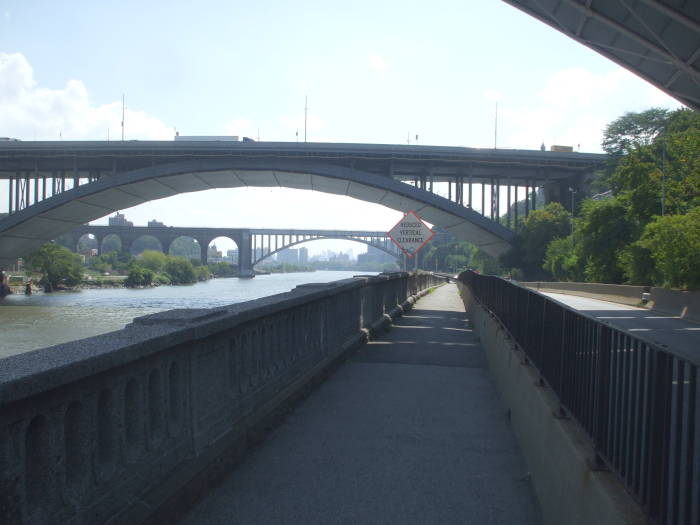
pixel 374 255
pixel 119 220
pixel 214 255
pixel 231 256
pixel 303 255
pixel 154 224
pixel 290 256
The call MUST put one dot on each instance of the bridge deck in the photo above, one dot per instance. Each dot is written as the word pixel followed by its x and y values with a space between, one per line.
pixel 411 430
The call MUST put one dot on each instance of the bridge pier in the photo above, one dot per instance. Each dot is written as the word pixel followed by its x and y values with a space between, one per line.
pixel 245 255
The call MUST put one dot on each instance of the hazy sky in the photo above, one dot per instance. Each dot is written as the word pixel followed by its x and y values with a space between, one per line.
pixel 374 72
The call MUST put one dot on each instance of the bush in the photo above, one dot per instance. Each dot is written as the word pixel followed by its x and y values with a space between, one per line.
pixel 139 276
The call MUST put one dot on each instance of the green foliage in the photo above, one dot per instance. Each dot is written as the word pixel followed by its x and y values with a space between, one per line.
pixel 634 129
pixel 605 231
pixel 223 269
pixel 674 244
pixel 113 261
pixel 139 276
pixel 638 266
pixel 445 256
pixel 180 270
pixel 153 260
pixel 530 243
pixel 57 264
pixel 562 260
pixel 202 273
pixel 186 247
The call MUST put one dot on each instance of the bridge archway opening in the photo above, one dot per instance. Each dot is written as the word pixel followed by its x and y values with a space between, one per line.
pixel 111 243
pixel 185 246
pixel 86 243
pixel 329 252
pixel 223 249
pixel 143 243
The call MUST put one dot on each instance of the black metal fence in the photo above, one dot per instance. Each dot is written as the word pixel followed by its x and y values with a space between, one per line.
pixel 638 403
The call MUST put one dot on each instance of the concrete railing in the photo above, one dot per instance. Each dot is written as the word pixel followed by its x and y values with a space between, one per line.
pixel 685 305
pixel 121 427
pixel 615 293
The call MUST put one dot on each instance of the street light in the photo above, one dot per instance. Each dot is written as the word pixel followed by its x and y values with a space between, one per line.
pixel 573 194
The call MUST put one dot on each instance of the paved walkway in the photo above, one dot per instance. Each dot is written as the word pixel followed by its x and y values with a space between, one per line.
pixel 671 332
pixel 410 431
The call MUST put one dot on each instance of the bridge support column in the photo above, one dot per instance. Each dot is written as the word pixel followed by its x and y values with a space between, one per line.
pixel 245 255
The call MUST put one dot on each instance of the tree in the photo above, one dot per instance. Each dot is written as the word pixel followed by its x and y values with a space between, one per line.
pixel 180 270
pixel 153 260
pixel 634 129
pixel 605 231
pixel 530 244
pixel 562 260
pixel 57 264
pixel 139 276
pixel 674 244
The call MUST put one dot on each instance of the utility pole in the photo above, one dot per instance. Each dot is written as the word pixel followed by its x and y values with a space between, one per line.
pixel 306 111
pixel 663 178
pixel 495 128
pixel 123 110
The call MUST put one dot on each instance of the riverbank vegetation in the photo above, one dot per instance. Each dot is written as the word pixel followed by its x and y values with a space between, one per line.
pixel 642 228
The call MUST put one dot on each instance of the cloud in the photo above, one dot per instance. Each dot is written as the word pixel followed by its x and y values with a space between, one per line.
pixel 28 111
pixel 376 62
pixel 573 107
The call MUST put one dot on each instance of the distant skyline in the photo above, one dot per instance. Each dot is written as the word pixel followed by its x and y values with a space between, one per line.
pixel 373 73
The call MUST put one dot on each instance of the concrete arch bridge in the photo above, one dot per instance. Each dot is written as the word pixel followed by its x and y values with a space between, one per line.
pixel 55 187
pixel 254 245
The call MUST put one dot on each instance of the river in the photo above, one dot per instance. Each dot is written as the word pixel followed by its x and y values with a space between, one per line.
pixel 37 321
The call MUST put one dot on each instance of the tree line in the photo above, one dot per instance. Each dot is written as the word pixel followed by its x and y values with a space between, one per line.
pixel 642 228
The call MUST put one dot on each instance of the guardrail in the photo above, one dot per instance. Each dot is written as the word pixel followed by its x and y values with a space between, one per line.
pixel 111 428
pixel 637 403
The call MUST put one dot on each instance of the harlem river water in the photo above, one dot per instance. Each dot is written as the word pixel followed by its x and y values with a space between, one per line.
pixel 28 323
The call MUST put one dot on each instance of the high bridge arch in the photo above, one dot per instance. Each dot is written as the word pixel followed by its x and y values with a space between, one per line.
pixel 27 229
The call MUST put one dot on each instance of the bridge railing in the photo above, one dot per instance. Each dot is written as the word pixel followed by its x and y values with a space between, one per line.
pixel 112 427
pixel 637 402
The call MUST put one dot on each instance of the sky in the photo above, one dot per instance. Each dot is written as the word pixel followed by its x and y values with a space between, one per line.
pixel 373 71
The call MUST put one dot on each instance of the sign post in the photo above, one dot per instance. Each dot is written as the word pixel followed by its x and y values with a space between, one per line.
pixel 410 234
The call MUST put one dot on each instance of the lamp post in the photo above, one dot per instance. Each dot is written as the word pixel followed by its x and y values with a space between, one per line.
pixel 573 194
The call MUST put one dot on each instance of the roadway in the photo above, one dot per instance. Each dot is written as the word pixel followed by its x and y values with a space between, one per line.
pixel 670 332
pixel 411 430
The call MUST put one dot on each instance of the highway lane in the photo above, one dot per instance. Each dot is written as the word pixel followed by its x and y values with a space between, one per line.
pixel 667 331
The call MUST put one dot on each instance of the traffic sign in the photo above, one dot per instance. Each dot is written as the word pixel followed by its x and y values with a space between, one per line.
pixel 410 234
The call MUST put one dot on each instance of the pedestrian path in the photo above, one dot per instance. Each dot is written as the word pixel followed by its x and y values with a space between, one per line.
pixel 409 431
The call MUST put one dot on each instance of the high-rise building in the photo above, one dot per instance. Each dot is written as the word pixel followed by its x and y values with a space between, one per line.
pixel 154 223
pixel 290 255
pixel 303 255
pixel 119 220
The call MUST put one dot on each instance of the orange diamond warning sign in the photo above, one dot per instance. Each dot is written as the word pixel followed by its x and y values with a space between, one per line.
pixel 410 234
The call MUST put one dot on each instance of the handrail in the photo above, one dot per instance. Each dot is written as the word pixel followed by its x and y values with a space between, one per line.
pixel 636 402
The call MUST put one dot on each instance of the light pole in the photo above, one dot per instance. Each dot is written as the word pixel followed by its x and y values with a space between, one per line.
pixel 573 194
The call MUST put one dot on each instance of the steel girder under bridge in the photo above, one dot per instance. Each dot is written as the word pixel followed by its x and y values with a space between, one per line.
pixel 55 187
pixel 254 245
pixel 659 40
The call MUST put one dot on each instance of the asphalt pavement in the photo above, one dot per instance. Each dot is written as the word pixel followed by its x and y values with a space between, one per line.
pixel 409 431
pixel 667 331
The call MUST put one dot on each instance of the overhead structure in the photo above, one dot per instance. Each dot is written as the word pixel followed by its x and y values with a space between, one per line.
pixel 657 40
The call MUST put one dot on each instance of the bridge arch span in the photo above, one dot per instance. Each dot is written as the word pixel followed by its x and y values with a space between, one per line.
pixel 378 246
pixel 26 230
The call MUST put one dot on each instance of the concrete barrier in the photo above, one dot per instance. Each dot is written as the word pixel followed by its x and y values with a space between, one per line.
pixel 556 451
pixel 615 293
pixel 133 426
pixel 675 302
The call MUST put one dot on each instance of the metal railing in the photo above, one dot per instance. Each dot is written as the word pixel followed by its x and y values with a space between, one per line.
pixel 636 401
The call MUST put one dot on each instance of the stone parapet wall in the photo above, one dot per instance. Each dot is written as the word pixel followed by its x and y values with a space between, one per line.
pixel 111 428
